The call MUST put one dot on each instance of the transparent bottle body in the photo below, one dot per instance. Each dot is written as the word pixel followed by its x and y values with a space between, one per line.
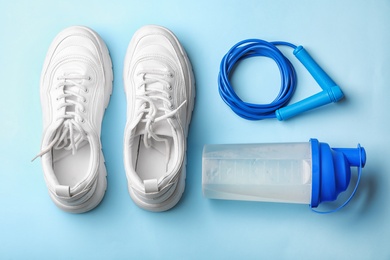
pixel 279 172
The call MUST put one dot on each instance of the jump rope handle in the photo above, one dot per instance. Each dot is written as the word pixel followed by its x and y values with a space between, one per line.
pixel 330 91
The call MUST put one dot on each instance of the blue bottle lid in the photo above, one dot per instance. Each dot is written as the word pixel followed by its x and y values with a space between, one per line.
pixel 331 170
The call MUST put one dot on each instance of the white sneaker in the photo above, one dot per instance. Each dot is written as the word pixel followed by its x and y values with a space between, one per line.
pixel 76 84
pixel 160 91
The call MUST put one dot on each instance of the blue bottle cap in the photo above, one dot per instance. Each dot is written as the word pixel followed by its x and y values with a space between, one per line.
pixel 331 170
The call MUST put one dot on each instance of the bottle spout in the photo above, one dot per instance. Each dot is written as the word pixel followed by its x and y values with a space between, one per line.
pixel 331 170
pixel 355 156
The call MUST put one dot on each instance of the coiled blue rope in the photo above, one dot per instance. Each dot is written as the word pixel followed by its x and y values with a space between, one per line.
pixel 251 48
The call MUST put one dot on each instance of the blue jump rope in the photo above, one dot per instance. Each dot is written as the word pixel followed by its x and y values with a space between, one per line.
pixel 277 108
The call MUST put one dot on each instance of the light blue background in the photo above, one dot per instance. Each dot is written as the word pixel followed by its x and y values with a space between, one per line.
pixel 349 39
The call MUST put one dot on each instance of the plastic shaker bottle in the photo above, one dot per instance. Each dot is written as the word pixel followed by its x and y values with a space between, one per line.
pixel 306 173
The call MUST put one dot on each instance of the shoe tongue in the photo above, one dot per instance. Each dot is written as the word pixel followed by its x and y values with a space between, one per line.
pixel 161 128
pixel 156 68
pixel 67 138
pixel 60 154
pixel 73 73
pixel 74 98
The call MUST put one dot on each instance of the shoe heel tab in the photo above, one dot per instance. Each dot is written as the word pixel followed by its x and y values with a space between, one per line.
pixel 151 186
pixel 62 191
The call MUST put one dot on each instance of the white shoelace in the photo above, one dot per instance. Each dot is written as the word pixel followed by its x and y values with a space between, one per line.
pixel 147 110
pixel 69 134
